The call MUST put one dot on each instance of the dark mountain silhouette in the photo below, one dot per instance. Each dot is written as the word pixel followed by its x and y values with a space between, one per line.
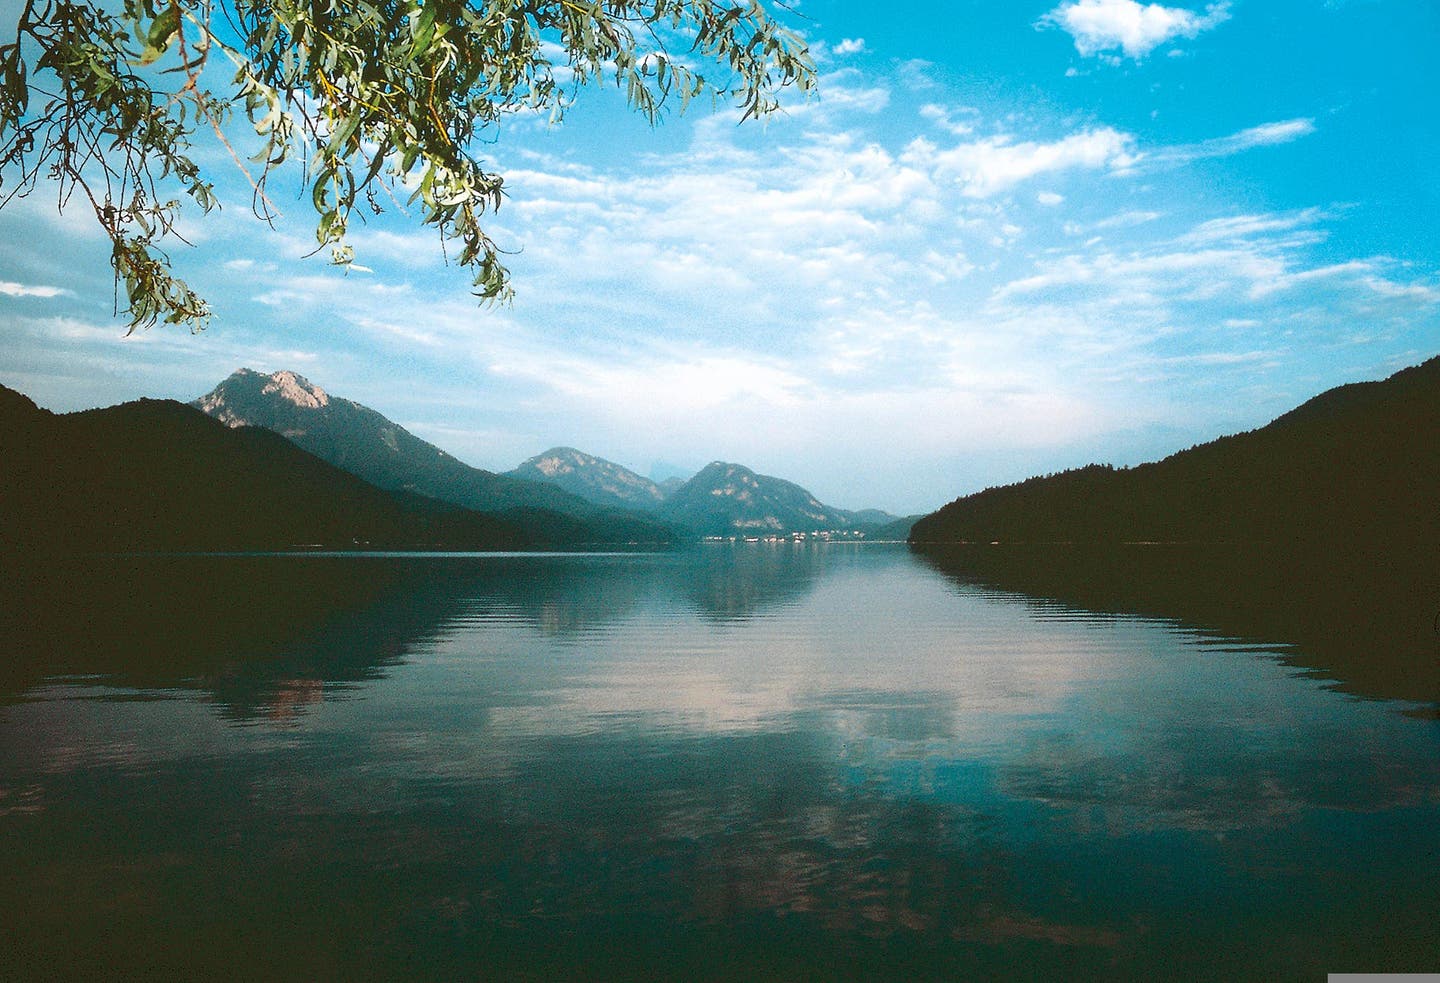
pixel 591 478
pixel 159 475
pixel 359 440
pixel 731 500
pixel 1357 465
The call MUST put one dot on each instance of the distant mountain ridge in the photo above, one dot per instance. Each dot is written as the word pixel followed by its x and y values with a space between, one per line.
pixel 1356 464
pixel 563 496
pixel 365 443
pixel 723 499
pixel 727 499
pixel 720 500
pixel 591 478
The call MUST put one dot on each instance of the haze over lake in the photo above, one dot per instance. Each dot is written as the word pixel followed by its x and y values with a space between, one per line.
pixel 747 761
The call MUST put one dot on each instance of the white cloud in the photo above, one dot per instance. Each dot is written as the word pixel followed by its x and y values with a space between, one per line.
pixel 1402 291
pixel 943 117
pixel 1144 278
pixel 680 382
pixel 1251 272
pixel 1271 133
pixel 987 167
pixel 1126 219
pixel 915 75
pixel 845 90
pixel 1299 227
pixel 1050 199
pixel 11 289
pixel 1103 25
pixel 1264 135
pixel 850 46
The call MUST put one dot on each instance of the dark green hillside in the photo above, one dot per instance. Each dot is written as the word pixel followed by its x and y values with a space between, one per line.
pixel 1358 464
pixel 365 443
pixel 159 475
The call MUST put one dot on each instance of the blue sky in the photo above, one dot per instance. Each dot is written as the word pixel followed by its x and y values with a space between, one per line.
pixel 1007 238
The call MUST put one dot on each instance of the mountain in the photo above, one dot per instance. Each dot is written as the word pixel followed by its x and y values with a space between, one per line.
pixel 360 440
pixel 159 475
pixel 1359 464
pixel 873 518
pixel 731 500
pixel 894 531
pixel 724 499
pixel 591 478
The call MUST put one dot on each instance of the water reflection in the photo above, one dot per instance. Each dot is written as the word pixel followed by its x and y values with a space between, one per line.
pixel 1366 620
pixel 738 581
pixel 261 632
pixel 836 763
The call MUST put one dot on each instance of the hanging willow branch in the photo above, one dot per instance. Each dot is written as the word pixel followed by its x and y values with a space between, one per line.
pixel 385 96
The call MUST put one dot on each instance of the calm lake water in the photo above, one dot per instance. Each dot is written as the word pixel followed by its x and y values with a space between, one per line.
pixel 735 763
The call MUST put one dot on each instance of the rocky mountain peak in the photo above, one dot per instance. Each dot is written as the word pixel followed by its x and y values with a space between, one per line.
pixel 592 478
pixel 562 460
pixel 234 402
pixel 296 389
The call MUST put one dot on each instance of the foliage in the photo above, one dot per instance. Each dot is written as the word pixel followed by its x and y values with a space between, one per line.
pixel 373 96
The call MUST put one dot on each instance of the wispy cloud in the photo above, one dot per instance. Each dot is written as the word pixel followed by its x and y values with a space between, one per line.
pixel 944 118
pixel 1264 135
pixel 1219 273
pixel 987 167
pixel 1300 227
pixel 11 289
pixel 1099 26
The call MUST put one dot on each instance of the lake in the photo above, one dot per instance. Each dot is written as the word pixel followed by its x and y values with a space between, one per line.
pixel 738 762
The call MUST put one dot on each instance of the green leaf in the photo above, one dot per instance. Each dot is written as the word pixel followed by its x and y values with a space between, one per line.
pixel 342 134
pixel 163 28
pixel 422 31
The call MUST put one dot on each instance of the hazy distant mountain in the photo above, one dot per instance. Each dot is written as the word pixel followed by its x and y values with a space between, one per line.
pixel 872 518
pixel 671 485
pixel 896 530
pixel 731 500
pixel 1357 464
pixel 159 475
pixel 591 478
pixel 365 443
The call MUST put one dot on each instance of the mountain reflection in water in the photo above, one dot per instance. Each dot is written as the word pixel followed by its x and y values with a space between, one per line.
pixel 247 627
pixel 741 762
